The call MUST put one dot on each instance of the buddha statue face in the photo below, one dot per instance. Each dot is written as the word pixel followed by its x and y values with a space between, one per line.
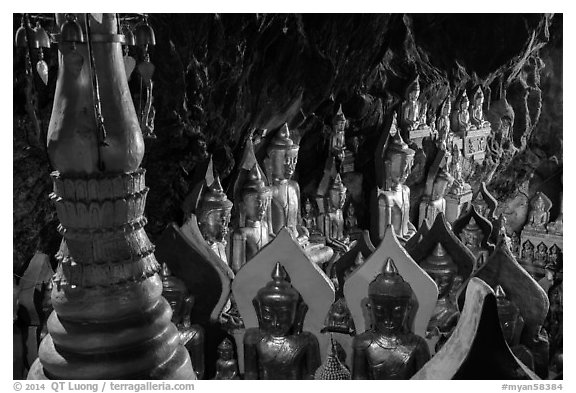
pixel 351 210
pixel 444 281
pixel 225 350
pixel 214 225
pixel 388 313
pixel 277 319
pixel 539 205
pixel 283 163
pixel 255 205
pixel 308 207
pixel 399 166
pixel 471 236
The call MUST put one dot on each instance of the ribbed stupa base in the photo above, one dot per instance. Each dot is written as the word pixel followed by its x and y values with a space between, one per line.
pixel 110 320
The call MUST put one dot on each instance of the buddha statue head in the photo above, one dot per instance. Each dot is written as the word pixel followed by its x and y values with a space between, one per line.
pixel 472 235
pixel 511 320
pixel 480 204
pixel 337 193
pixel 174 290
pixel 308 209
pixel 398 159
pixel 225 350
pixel 389 299
pixel 441 183
pixel 464 102
pixel 441 269
pixel 276 304
pixel 413 89
pixel 213 213
pixel 282 155
pixel 255 195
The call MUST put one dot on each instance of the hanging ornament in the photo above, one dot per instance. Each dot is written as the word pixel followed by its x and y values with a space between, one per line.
pixel 144 37
pixel 129 61
pixel 71 33
pixel 43 41
pixel 21 38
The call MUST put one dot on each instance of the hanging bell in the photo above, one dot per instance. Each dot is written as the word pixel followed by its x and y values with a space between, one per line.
pixel 144 34
pixel 21 38
pixel 41 37
pixel 42 69
pixel 129 36
pixel 71 30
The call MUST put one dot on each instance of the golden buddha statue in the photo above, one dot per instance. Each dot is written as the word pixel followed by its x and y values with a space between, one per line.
pixel 443 271
pixel 461 116
pixel 226 365
pixel 254 231
pixel 411 116
pixel 436 202
pixel 393 201
pixel 443 122
pixel 278 349
pixel 388 350
pixel 477 115
pixel 213 214
pixel 332 221
pixel 472 237
pixel 192 337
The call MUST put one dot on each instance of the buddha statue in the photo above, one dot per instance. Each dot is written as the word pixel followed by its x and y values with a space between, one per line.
pixel 528 252
pixel 443 122
pixel 443 271
pixel 226 365
pixel 460 123
pixel 539 215
pixel 472 238
pixel 554 258
pixel 192 337
pixel 254 231
pixel 339 319
pixel 459 186
pixel 436 202
pixel 556 227
pixel 174 290
pixel 511 320
pixel 280 164
pixel 332 221
pixel 515 244
pixel 351 222
pixel 541 255
pixel 388 350
pixel 213 214
pixel 338 137
pixel 394 199
pixel 309 219
pixel 411 116
pixel 278 348
pixel 476 112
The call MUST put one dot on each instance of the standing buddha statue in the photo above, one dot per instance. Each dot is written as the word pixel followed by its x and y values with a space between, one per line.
pixel 213 218
pixel 443 122
pixel 443 271
pixel 393 201
pixel 476 111
pixel 226 365
pixel 254 232
pixel 278 349
pixel 388 350
pixel 332 221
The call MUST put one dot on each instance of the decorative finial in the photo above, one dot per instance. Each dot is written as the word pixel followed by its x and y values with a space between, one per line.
pixel 339 118
pixel 439 251
pixel 479 93
pixel 278 274
pixel 500 292
pixel 359 260
pixel 390 267
pixel 337 183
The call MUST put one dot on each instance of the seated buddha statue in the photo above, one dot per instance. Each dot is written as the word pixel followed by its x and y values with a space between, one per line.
pixel 527 252
pixel 541 255
pixel 477 115
pixel 332 221
pixel 388 350
pixel 309 219
pixel 226 365
pixel 538 216
pixel 393 201
pixel 351 222
pixel 472 237
pixel 339 319
pixel 443 122
pixel 410 112
pixel 443 271
pixel 280 164
pixel 278 349
pixel 213 214
pixel 192 337
pixel 436 203
pixel 459 185
pixel 254 231
pixel 460 122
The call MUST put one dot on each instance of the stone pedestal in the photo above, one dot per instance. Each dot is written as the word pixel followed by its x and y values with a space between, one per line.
pixel 456 204
pixel 474 144
pixel 418 135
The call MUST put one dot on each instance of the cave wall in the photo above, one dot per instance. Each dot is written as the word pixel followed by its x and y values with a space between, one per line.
pixel 220 77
